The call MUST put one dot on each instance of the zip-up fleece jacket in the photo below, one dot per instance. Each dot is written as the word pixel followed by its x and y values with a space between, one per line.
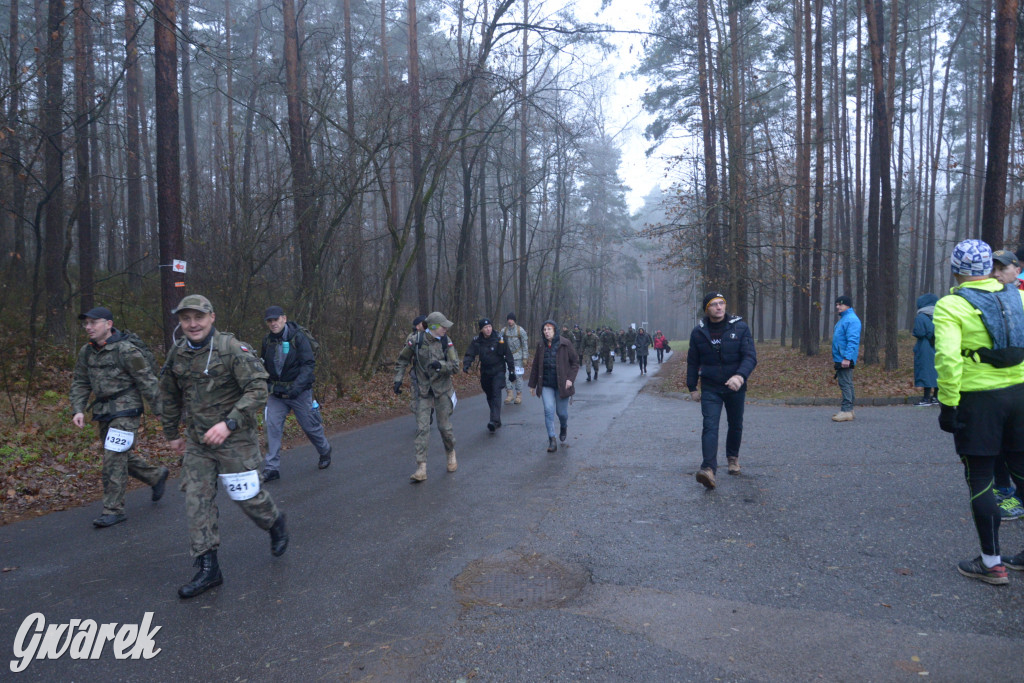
pixel 735 355
pixel 958 326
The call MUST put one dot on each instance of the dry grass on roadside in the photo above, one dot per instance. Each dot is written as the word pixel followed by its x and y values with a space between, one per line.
pixel 784 373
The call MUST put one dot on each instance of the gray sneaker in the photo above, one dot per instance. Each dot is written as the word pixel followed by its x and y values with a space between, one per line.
pixel 1010 508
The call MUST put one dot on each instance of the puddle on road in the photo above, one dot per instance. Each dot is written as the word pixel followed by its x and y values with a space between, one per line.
pixel 513 579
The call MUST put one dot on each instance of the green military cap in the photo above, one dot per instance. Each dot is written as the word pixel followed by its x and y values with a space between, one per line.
pixel 194 302
pixel 438 318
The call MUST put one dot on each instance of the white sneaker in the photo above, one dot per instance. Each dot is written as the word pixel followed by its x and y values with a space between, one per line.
pixel 842 416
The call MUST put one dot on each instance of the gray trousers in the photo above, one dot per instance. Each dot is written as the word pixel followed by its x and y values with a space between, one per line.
pixel 845 378
pixel 274 416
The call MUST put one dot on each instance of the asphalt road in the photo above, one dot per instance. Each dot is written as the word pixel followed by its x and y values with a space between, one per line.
pixel 831 558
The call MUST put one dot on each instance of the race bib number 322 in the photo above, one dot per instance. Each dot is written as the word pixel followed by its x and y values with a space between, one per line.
pixel 118 440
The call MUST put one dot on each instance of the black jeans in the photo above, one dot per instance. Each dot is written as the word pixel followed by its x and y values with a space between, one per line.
pixel 492 386
pixel 661 354
pixel 643 361
pixel 711 402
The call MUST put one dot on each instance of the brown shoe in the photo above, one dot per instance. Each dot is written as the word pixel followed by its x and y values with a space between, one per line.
pixel 734 464
pixel 452 464
pixel 706 477
pixel 519 398
pixel 508 397
pixel 421 472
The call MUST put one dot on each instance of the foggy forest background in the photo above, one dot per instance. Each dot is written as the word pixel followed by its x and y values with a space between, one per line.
pixel 362 162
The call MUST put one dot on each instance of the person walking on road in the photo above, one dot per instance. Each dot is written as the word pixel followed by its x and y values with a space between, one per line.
pixel 113 367
pixel 630 344
pixel 845 347
pixel 518 344
pixel 591 354
pixel 215 385
pixel 659 345
pixel 924 350
pixel 979 328
pixel 608 342
pixel 553 379
pixel 495 362
pixel 1006 269
pixel 722 356
pixel 433 359
pixel 642 343
pixel 287 355
pixel 418 325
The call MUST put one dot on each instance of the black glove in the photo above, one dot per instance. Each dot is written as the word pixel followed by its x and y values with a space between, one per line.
pixel 948 419
pixel 465 368
pixel 398 387
pixel 512 377
pixel 435 366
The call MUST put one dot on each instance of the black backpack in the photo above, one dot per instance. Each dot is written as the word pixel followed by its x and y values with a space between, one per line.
pixel 1003 317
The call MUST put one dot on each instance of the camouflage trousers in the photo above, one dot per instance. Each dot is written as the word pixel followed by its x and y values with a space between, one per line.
pixel 117 467
pixel 200 467
pixel 442 405
pixel 608 358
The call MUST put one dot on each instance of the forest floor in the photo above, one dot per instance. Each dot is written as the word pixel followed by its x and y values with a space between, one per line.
pixel 47 464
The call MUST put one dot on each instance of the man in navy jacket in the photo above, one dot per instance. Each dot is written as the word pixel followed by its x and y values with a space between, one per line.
pixel 722 356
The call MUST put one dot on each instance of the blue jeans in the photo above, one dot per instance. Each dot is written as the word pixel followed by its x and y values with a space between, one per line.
pixel 711 402
pixel 553 404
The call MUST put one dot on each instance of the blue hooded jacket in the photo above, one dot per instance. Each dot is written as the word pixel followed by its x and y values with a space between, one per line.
pixel 846 337
pixel 924 350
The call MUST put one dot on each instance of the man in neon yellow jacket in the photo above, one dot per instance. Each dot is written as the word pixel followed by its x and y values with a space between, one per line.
pixel 982 404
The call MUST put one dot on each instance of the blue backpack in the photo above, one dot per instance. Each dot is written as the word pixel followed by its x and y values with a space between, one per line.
pixel 1003 317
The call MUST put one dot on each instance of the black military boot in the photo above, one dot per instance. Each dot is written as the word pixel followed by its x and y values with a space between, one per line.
pixel 160 485
pixel 206 578
pixel 325 459
pixel 278 537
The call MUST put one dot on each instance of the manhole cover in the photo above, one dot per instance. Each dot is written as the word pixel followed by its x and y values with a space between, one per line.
pixel 513 579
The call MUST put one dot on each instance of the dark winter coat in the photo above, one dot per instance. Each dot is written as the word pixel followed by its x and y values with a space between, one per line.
pixel 924 350
pixel 715 365
pixel 495 356
pixel 643 344
pixel 567 365
pixel 299 369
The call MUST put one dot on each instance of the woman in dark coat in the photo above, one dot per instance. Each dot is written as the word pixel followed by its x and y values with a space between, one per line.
pixel 924 351
pixel 552 376
pixel 643 344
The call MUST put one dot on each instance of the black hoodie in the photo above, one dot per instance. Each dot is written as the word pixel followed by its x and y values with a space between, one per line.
pixel 298 370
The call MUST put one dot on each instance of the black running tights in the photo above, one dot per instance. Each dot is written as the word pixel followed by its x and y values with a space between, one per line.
pixel 978 471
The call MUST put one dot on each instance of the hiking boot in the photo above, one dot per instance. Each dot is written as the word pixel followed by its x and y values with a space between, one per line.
pixel 508 397
pixel 206 578
pixel 491 427
pixel 734 464
pixel 563 433
pixel 160 486
pixel 588 378
pixel 325 459
pixel 552 444
pixel 1010 508
pixel 421 472
pixel 270 475
pixel 452 462
pixel 706 477
pixel 843 416
pixel 1015 563
pixel 976 569
pixel 519 398
pixel 278 537
pixel 109 519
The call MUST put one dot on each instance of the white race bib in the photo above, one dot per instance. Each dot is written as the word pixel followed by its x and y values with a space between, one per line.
pixel 613 354
pixel 455 400
pixel 633 346
pixel 595 358
pixel 241 485
pixel 520 370
pixel 118 440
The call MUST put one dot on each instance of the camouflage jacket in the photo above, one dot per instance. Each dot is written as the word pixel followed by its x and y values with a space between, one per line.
pixel 201 387
pixel 422 349
pixel 518 342
pixel 118 374
pixel 576 335
pixel 590 345
pixel 608 340
pixel 630 337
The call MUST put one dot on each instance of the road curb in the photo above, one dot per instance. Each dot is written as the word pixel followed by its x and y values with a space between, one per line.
pixel 811 400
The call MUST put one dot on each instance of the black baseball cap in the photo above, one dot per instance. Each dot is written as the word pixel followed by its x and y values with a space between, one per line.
pixel 98 313
pixel 273 312
pixel 1005 257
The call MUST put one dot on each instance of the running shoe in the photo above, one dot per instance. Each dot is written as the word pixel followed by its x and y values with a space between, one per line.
pixel 923 402
pixel 1010 508
pixel 1016 562
pixel 976 569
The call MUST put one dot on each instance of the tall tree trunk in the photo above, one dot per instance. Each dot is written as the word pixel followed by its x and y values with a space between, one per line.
pixel 737 257
pixel 816 304
pixel 994 202
pixel 524 166
pixel 53 154
pixel 188 114
pixel 415 142
pixel 83 179
pixel 133 220
pixel 355 234
pixel 714 277
pixel 168 164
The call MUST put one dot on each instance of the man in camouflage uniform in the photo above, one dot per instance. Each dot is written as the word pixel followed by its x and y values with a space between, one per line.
pixel 620 342
pixel 591 348
pixel 576 335
pixel 518 343
pixel 114 369
pixel 433 360
pixel 217 386
pixel 630 339
pixel 607 347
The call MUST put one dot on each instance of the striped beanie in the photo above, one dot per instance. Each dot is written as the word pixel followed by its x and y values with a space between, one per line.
pixel 971 257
